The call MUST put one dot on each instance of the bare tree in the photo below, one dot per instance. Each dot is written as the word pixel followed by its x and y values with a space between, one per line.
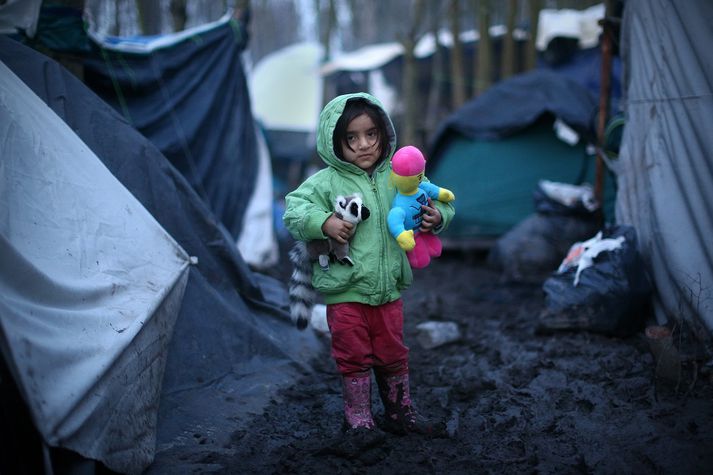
pixel 507 64
pixel 531 57
pixel 438 72
pixel 179 14
pixel 149 16
pixel 330 21
pixel 410 74
pixel 458 81
pixel 484 70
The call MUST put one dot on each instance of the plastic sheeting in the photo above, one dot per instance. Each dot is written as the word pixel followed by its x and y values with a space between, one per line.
pixel 190 98
pixel 19 15
pixel 286 88
pixel 257 242
pixel 665 171
pixel 510 106
pixel 233 342
pixel 90 288
pixel 580 24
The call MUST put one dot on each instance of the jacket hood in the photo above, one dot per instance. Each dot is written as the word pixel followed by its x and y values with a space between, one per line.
pixel 328 122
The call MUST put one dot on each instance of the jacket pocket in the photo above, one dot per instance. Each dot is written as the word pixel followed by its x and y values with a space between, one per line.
pixel 401 273
pixel 339 277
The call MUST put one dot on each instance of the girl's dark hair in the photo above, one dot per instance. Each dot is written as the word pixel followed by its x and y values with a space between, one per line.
pixel 353 109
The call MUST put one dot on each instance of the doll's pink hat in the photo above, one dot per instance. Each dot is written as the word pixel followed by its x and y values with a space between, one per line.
pixel 408 161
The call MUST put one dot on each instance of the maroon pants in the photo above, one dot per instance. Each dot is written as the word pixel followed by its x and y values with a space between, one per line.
pixel 366 337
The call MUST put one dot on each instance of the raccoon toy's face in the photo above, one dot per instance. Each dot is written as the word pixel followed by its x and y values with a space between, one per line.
pixel 351 208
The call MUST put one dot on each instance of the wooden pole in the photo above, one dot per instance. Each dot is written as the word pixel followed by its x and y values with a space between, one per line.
pixel 604 90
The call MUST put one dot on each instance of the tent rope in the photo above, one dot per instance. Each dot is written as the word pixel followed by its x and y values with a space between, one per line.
pixel 117 87
pixel 183 141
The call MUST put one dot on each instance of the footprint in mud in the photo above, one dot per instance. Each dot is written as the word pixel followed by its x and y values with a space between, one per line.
pixel 585 406
pixel 352 444
pixel 367 447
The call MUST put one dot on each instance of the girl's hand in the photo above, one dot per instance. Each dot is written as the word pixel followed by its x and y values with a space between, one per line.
pixel 337 229
pixel 431 217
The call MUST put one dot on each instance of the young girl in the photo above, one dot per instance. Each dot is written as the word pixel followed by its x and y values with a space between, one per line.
pixel 356 140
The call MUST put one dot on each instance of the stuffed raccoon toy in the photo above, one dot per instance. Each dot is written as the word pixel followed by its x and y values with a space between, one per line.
pixel 302 295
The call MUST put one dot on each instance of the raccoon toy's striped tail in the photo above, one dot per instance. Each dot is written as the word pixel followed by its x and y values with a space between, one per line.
pixel 302 294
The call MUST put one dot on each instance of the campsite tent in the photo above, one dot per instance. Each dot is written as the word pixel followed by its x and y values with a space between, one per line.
pixel 493 150
pixel 232 342
pixel 286 92
pixel 664 166
pixel 91 286
pixel 187 92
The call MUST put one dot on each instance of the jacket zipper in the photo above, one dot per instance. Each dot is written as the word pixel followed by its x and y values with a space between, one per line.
pixel 382 249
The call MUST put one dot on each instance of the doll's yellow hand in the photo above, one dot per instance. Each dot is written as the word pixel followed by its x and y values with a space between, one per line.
pixel 406 240
pixel 445 195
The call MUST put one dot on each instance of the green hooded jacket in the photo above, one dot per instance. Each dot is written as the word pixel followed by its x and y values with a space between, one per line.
pixel 381 270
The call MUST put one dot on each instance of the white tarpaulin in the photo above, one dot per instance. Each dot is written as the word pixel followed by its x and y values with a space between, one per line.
pixel 286 88
pixel 19 15
pixel 90 287
pixel 257 242
pixel 580 24
pixel 665 171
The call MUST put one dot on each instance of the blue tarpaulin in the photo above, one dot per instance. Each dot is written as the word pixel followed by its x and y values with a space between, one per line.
pixel 189 96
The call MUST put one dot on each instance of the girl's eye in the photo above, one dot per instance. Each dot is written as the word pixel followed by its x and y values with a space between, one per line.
pixel 351 138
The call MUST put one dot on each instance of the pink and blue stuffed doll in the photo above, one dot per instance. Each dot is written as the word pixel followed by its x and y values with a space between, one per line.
pixel 404 219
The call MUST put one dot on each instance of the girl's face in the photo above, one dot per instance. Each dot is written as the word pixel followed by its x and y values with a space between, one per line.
pixel 361 146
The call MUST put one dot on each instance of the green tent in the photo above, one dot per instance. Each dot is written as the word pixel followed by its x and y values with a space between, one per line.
pixel 493 151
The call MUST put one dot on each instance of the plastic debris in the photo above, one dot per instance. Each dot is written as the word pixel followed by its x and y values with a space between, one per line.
pixel 570 195
pixel 319 319
pixel 582 254
pixel 432 334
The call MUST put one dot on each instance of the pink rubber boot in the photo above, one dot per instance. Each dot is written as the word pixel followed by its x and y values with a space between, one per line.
pixel 357 402
pixel 399 413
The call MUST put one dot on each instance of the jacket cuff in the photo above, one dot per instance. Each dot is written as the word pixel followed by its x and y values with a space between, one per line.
pixel 313 225
pixel 444 209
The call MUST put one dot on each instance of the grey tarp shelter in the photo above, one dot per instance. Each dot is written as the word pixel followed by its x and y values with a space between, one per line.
pixel 665 165
pixel 232 343
pixel 90 288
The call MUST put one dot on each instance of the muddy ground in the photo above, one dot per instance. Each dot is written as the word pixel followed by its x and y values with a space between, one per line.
pixel 518 401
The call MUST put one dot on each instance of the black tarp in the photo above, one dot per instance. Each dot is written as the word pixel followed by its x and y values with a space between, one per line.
pixel 585 67
pixel 233 343
pixel 191 100
pixel 512 105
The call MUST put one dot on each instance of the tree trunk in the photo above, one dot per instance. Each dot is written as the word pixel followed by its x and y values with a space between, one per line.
pixel 410 120
pixel 179 14
pixel 531 60
pixel 438 73
pixel 484 71
pixel 507 65
pixel 149 16
pixel 458 82
pixel 331 20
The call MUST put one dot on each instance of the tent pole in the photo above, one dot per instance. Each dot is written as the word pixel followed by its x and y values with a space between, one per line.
pixel 604 90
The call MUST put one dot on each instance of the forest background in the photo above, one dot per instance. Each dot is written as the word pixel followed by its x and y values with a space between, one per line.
pixel 458 73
